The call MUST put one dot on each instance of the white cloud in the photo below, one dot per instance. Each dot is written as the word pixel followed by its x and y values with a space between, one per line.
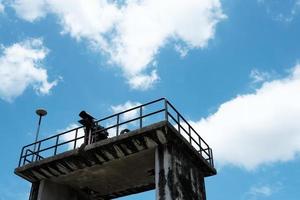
pixel 1 7
pixel 20 67
pixel 262 190
pixel 127 105
pixel 143 81
pixel 259 76
pixel 30 10
pixel 258 128
pixel 278 12
pixel 125 116
pixel 71 135
pixel 132 32
pixel 183 51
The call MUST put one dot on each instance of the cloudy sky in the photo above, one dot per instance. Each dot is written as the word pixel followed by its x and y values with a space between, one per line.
pixel 231 67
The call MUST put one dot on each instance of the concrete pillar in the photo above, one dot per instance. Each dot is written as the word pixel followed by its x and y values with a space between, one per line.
pixel 34 191
pixel 48 190
pixel 176 176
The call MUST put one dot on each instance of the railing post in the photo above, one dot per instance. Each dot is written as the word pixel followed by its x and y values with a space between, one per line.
pixel 190 134
pixel 141 116
pixel 25 157
pixel 211 157
pixel 75 141
pixel 37 152
pixel 166 110
pixel 20 160
pixel 199 138
pixel 178 121
pixel 118 121
pixel 32 158
pixel 56 142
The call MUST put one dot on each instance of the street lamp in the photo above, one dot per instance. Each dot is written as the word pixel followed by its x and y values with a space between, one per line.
pixel 40 112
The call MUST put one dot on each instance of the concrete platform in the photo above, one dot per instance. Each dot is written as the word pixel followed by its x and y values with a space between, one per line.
pixel 116 166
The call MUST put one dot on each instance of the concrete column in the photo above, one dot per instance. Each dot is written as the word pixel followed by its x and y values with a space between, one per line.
pixel 34 191
pixel 176 176
pixel 48 190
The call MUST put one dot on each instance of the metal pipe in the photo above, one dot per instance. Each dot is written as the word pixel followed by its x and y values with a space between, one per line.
pixel 40 112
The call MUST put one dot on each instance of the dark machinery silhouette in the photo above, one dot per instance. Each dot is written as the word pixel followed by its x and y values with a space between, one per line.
pixel 93 131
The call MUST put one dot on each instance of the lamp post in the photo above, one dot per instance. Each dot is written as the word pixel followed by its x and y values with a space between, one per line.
pixel 40 112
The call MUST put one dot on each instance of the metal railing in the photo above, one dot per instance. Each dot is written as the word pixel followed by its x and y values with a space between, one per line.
pixel 133 118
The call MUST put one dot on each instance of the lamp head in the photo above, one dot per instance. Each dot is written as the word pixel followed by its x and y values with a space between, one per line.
pixel 41 112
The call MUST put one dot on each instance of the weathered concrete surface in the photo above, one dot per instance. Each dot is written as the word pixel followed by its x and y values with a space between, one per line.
pixel 34 191
pixel 120 175
pixel 49 190
pixel 177 176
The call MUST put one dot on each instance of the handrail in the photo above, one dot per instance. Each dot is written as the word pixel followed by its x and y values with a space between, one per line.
pixel 184 120
pixel 165 107
pixel 191 138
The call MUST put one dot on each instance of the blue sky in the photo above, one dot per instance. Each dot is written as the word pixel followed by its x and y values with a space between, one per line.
pixel 230 67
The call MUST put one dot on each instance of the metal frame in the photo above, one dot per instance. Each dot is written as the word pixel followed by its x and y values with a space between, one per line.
pixel 29 154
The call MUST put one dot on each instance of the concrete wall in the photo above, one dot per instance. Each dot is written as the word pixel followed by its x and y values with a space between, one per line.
pixel 34 191
pixel 48 190
pixel 177 178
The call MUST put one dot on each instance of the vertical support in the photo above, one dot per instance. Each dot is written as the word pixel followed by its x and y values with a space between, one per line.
pixel 162 166
pixel 21 156
pixel 37 132
pixel 34 191
pixel 25 157
pixel 178 120
pixel 211 158
pixel 47 190
pixel 200 144
pixel 190 135
pixel 37 153
pixel 75 141
pixel 166 110
pixel 56 143
pixel 176 177
pixel 141 117
pixel 118 121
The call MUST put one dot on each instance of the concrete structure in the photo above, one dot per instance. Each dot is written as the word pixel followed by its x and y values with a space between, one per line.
pixel 156 156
